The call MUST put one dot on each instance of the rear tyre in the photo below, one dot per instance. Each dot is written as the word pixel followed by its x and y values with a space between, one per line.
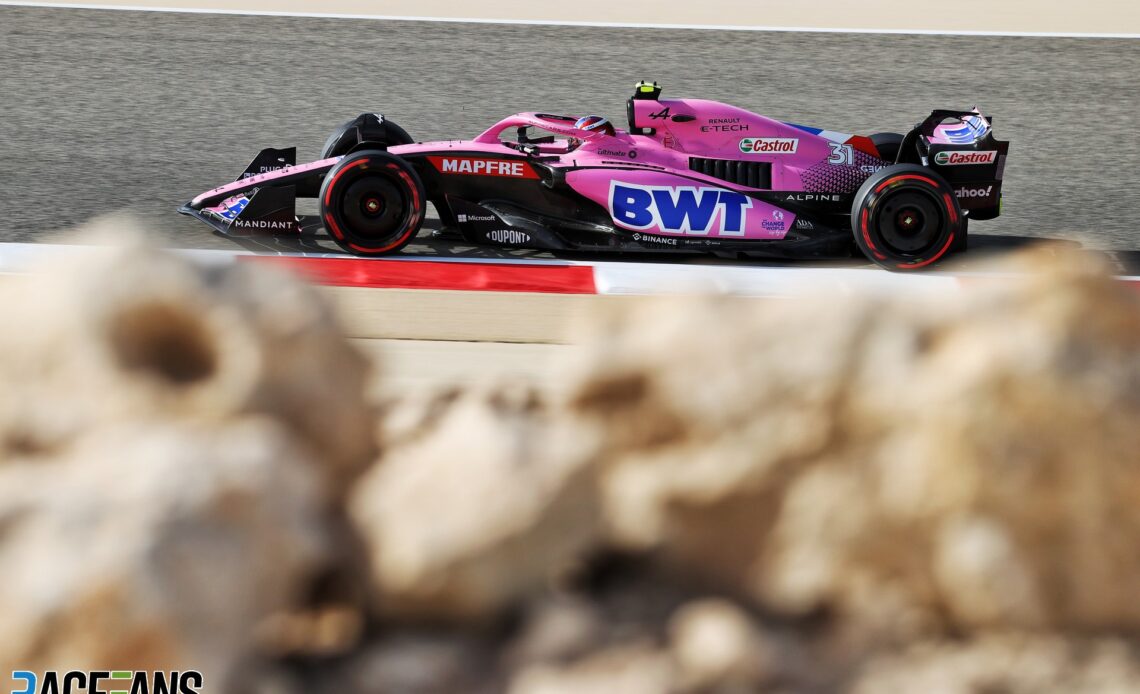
pixel 888 145
pixel 368 130
pixel 372 203
pixel 905 217
pixel 961 241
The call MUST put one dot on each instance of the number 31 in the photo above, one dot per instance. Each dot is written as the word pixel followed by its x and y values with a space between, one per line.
pixel 841 154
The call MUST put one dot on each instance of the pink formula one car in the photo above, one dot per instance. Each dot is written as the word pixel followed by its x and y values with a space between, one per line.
pixel 688 175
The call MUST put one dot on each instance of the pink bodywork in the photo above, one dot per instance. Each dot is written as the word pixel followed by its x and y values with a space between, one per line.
pixel 653 172
pixel 643 180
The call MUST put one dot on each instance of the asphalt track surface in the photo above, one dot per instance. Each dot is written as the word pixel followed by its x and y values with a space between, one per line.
pixel 104 112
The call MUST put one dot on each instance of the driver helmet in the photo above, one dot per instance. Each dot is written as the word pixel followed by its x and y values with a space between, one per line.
pixel 595 124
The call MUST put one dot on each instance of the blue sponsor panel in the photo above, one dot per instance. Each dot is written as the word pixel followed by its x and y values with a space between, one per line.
pixel 229 209
pixel 233 207
pixel 695 210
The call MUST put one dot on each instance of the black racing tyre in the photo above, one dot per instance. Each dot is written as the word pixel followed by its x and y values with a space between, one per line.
pixel 372 203
pixel 961 240
pixel 888 145
pixel 368 130
pixel 905 217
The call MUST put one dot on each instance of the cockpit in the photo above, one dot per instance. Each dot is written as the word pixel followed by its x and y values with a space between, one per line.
pixel 535 140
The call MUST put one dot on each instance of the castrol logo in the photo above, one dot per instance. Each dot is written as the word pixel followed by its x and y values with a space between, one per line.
pixel 964 158
pixel 769 145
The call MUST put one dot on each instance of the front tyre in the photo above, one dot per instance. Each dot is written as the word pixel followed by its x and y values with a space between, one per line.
pixel 366 131
pixel 372 203
pixel 906 217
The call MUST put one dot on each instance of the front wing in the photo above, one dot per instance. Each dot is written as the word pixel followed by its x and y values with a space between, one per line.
pixel 262 200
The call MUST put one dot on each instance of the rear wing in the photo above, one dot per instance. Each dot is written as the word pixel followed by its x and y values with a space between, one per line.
pixel 947 130
pixel 961 147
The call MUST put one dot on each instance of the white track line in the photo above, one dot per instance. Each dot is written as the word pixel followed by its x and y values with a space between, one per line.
pixel 17 257
pixel 566 23
pixel 625 278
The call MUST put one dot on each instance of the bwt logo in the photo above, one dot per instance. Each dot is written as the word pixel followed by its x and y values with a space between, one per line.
pixel 683 209
pixel 108 682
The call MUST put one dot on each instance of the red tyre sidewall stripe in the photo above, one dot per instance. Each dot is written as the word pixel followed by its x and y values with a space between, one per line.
pixel 936 256
pixel 906 177
pixel 949 210
pixel 332 183
pixel 867 234
pixel 328 217
pixel 331 224
pixel 413 220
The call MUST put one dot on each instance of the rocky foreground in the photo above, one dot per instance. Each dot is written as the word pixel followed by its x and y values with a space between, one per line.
pixel 842 494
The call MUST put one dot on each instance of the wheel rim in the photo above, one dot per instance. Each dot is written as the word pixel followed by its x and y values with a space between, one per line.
pixel 910 222
pixel 374 208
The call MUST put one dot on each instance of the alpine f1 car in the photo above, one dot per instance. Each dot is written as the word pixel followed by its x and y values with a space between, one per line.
pixel 687 175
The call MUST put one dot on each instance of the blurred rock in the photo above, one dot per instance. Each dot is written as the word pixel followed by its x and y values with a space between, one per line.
pixel 631 669
pixel 1014 663
pixel 173 441
pixel 846 494
pixel 704 413
pixel 420 661
pixel 557 629
pixel 115 334
pixel 161 547
pixel 916 464
pixel 326 631
pixel 313 378
pixel 482 509
pixel 716 646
